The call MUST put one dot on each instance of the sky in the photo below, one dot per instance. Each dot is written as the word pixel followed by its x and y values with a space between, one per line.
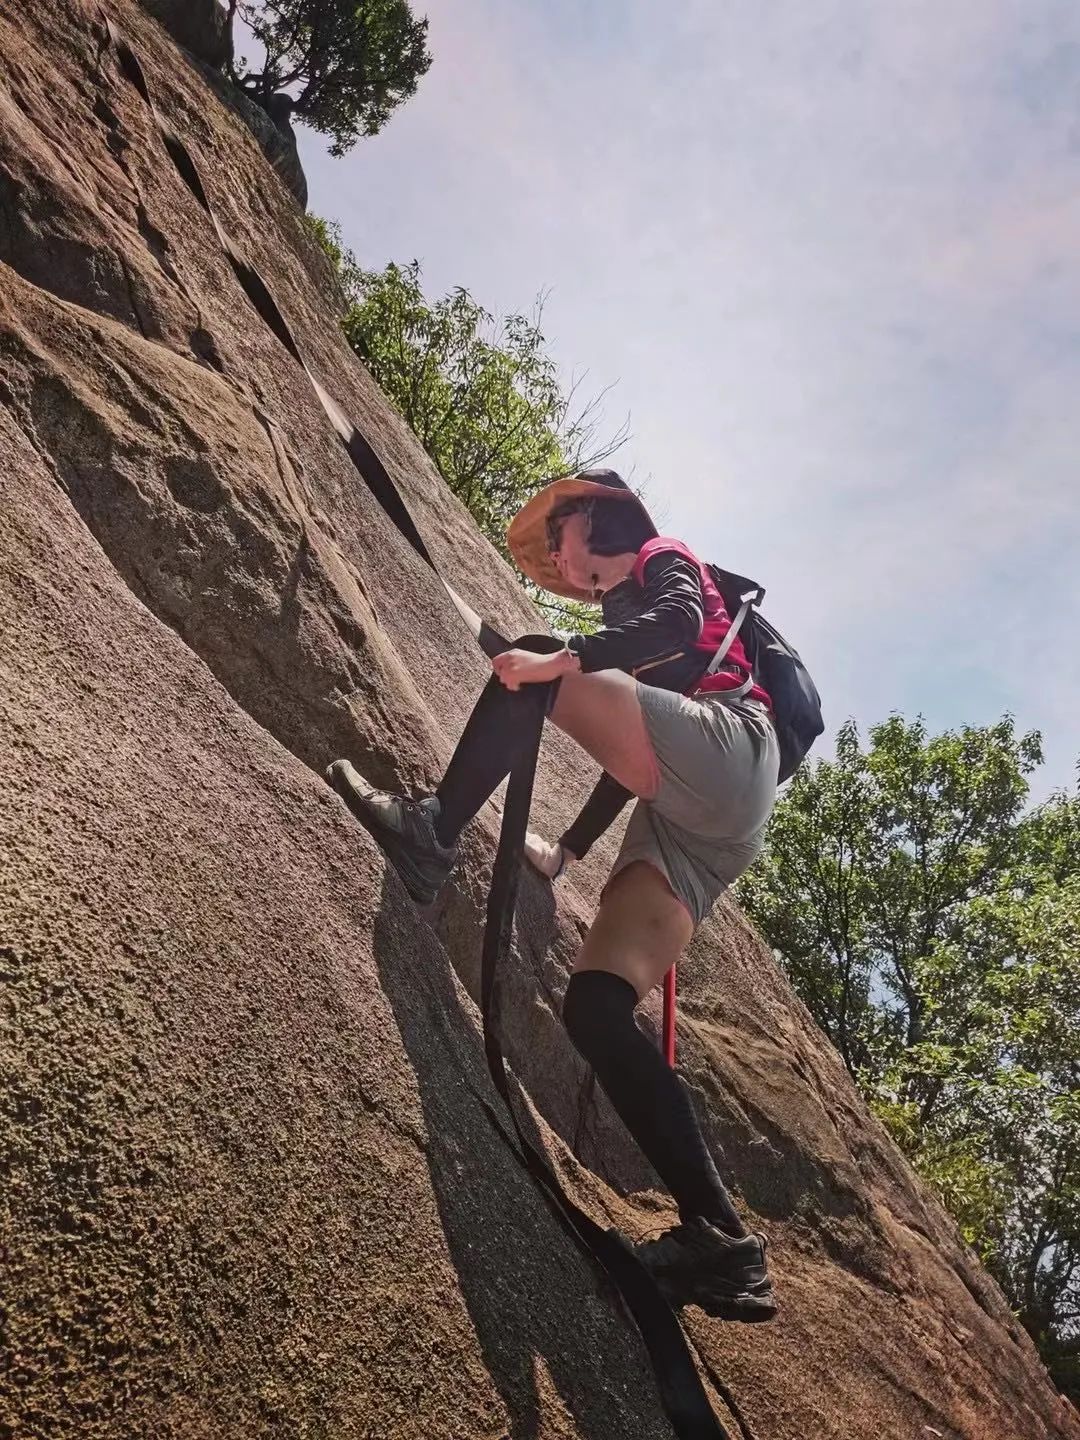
pixel 829 256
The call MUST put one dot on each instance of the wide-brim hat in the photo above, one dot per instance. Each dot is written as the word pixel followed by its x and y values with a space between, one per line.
pixel 527 534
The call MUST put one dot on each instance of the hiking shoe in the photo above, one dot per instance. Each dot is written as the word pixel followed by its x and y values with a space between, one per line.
pixel 699 1264
pixel 404 828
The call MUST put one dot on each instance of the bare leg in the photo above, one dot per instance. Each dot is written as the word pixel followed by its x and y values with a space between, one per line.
pixel 601 712
pixel 640 929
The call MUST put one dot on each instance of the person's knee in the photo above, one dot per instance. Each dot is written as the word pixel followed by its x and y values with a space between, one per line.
pixel 597 1007
pixel 539 644
pixel 514 710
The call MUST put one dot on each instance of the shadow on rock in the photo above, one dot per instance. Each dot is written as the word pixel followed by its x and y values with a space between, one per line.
pixel 509 1251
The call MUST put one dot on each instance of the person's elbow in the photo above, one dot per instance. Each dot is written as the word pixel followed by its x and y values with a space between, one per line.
pixel 684 623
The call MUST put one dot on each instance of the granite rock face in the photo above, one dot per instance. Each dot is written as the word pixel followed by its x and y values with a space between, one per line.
pixel 201 26
pixel 250 1184
pixel 273 131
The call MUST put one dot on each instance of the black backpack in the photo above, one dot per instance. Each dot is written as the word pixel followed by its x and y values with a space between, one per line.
pixel 777 667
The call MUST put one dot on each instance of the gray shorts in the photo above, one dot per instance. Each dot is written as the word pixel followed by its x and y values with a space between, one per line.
pixel 718 765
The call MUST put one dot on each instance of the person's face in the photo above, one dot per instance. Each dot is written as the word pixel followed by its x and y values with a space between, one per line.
pixel 573 559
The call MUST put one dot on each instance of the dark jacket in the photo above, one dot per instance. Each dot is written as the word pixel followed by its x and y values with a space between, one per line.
pixel 648 630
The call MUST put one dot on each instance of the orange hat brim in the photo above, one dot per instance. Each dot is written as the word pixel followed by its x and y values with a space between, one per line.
pixel 526 534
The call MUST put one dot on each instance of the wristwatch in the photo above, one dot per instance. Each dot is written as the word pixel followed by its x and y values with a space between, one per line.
pixel 576 646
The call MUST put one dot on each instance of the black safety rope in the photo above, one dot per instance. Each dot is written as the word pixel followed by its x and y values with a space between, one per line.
pixel 681 1391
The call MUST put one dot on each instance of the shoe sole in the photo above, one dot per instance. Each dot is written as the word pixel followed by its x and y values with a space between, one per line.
pixel 749 1309
pixel 339 774
pixel 746 1308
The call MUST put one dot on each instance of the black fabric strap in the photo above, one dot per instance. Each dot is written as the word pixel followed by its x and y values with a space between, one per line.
pixel 681 1391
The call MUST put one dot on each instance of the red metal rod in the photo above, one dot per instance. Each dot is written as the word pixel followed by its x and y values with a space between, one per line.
pixel 669 1017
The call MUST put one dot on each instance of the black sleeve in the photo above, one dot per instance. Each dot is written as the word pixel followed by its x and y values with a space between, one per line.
pixel 672 616
pixel 598 812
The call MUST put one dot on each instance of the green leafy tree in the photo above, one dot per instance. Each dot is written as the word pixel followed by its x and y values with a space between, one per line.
pixel 346 64
pixel 932 926
pixel 482 396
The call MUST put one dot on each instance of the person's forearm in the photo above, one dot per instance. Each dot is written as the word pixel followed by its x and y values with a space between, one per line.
pixel 671 620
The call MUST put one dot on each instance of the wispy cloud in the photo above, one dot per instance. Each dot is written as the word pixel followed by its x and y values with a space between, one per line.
pixel 829 250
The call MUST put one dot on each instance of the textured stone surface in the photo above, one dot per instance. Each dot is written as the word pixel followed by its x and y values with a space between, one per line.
pixel 201 26
pixel 275 134
pixel 250 1187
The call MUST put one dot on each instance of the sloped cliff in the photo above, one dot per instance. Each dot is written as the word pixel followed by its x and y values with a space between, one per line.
pixel 250 1186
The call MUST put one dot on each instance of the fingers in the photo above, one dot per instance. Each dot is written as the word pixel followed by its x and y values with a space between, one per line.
pixel 505 668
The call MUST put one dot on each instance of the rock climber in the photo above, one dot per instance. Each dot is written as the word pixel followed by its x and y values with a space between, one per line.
pixel 700 753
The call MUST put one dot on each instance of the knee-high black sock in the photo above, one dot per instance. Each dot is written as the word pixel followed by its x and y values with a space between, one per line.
pixel 490 745
pixel 648 1096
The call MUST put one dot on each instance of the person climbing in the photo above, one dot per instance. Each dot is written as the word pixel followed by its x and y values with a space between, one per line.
pixel 698 748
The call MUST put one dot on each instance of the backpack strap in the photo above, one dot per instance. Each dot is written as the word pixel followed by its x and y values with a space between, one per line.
pixel 752 596
pixel 726 644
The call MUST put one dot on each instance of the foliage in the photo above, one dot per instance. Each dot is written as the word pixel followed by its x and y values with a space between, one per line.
pixel 327 235
pixel 482 397
pixel 347 64
pixel 933 929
